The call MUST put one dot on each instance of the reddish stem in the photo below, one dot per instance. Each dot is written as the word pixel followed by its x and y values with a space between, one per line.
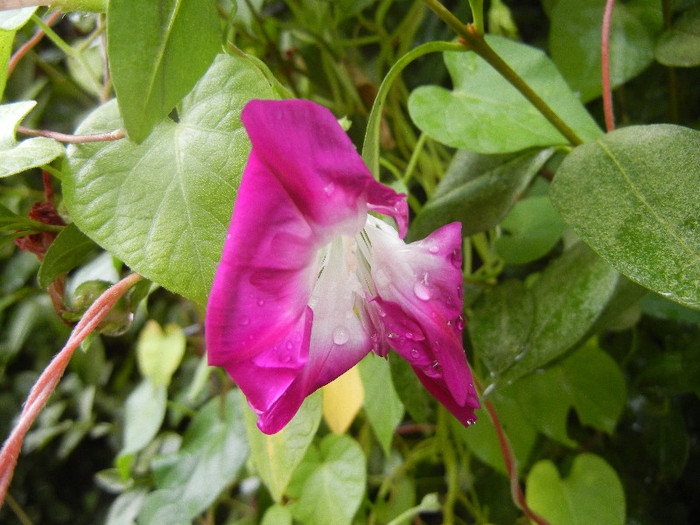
pixel 511 466
pixel 51 375
pixel 605 65
pixel 31 42
pixel 73 139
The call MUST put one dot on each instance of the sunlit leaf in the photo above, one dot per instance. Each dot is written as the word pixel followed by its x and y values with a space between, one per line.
pixel 159 351
pixel 342 400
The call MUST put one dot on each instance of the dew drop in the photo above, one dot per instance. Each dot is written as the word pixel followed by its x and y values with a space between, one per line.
pixel 392 335
pixel 433 370
pixel 434 249
pixel 421 291
pixel 261 302
pixel 415 354
pixel 460 323
pixel 456 258
pixel 244 320
pixel 409 335
pixel 340 335
pixel 329 189
pixel 289 345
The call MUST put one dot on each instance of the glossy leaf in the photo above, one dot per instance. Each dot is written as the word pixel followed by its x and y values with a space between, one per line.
pixel 680 45
pixel 69 249
pixel 159 352
pixel 633 197
pixel 574 41
pixel 333 483
pixel 157 51
pixel 382 404
pixel 478 190
pixel 213 450
pixel 30 153
pixel 592 493
pixel 276 456
pixel 163 207
pixel 486 114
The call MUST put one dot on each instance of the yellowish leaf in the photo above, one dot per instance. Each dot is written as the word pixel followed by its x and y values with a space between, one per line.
pixel 342 400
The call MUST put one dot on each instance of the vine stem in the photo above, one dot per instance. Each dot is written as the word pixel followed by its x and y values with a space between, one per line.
pixel 49 378
pixel 472 40
pixel 29 44
pixel 605 65
pixel 511 465
pixel 72 139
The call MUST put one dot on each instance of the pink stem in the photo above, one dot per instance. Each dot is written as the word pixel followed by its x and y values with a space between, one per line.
pixel 51 375
pixel 31 43
pixel 605 65
pixel 73 139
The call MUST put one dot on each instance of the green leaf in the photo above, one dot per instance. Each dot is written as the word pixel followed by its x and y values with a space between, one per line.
pixel 591 495
pixel 382 404
pixel 143 415
pixel 334 483
pixel 569 296
pixel 277 515
pixel 680 45
pixel 163 207
pixel 15 18
pixel 478 190
pixel 276 456
pixel 157 51
pixel 500 325
pixel 68 250
pixel 30 153
pixel 574 41
pixel 632 196
pixel 415 398
pixel 529 231
pixel 486 114
pixel 125 508
pixel 589 381
pixel 214 448
pixel 159 352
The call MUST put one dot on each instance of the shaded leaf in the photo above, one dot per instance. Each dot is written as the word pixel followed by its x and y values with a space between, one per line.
pixel 143 416
pixel 680 45
pixel 486 114
pixel 163 207
pixel 68 250
pixel 633 196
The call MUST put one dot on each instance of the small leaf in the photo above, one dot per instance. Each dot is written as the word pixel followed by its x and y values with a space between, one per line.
pixel 10 21
pixel 383 407
pixel 334 486
pixel 486 114
pixel 143 416
pixel 591 495
pixel 680 45
pixel 30 153
pixel 529 231
pixel 277 456
pixel 277 515
pixel 163 207
pixel 126 507
pixel 159 352
pixel 478 190
pixel 342 400
pixel 574 41
pixel 68 250
pixel 157 51
pixel 632 196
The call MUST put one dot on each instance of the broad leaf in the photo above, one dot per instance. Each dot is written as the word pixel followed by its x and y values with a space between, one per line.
pixel 486 114
pixel 478 190
pixel 633 197
pixel 157 51
pixel 333 483
pixel 163 207
pixel 591 495
pixel 69 249
pixel 276 456
pixel 30 153
pixel 574 41
pixel 143 416
pixel 680 45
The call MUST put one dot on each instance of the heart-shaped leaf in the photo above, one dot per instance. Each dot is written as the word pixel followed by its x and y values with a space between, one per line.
pixel 633 196
pixel 486 114
pixel 163 206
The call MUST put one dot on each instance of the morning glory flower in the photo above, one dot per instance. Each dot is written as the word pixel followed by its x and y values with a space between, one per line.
pixel 310 281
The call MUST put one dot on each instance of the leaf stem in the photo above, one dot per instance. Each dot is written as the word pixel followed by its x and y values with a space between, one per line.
pixel 605 65
pixel 72 139
pixel 472 40
pixel 45 385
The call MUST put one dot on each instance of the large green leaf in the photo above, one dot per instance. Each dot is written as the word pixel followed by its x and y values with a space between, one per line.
pixel 330 483
pixel 575 35
pixel 157 51
pixel 478 190
pixel 163 206
pixel 276 456
pixel 486 114
pixel 633 196
pixel 591 495
pixel 30 153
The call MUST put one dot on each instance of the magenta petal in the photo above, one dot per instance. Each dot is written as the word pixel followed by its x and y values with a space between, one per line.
pixel 464 413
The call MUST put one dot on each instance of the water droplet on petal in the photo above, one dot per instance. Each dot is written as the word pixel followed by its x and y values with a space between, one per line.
pixel 341 335
pixel 289 345
pixel 415 354
pixel 392 335
pixel 261 302
pixel 433 370
pixel 460 322
pixel 329 189
pixel 456 258
pixel 434 249
pixel 244 320
pixel 421 291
